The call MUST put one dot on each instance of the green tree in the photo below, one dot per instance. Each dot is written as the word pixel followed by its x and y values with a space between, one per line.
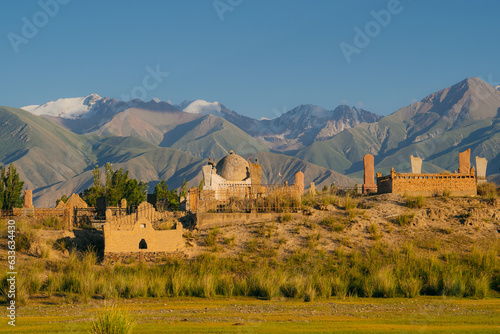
pixel 135 192
pixel 183 189
pixel 12 188
pixel 97 177
pixel 161 190
pixel 63 198
pixel 169 198
pixel 90 195
pixel 115 190
pixel 2 190
pixel 117 186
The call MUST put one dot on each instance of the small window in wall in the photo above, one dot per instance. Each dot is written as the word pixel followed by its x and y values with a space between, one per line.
pixel 143 225
pixel 143 244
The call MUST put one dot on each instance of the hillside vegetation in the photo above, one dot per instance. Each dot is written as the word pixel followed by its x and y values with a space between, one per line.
pixel 375 246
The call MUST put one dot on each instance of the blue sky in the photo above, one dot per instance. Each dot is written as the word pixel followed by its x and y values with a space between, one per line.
pixel 263 57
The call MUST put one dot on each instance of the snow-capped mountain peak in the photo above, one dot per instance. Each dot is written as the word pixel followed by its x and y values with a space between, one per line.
pixel 201 107
pixel 72 108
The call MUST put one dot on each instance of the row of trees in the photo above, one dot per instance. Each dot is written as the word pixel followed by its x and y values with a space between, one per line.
pixel 11 188
pixel 118 185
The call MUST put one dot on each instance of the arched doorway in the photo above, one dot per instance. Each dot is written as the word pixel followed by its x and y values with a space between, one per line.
pixel 143 244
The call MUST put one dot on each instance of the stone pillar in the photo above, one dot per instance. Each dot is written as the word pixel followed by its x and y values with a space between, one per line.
pixel 255 171
pixel 369 164
pixel 28 199
pixel 299 181
pixel 481 164
pixel 464 162
pixel 312 189
pixel 416 165
pixel 109 215
pixel 207 176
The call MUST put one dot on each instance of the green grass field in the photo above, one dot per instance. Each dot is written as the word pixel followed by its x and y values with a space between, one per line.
pixel 250 315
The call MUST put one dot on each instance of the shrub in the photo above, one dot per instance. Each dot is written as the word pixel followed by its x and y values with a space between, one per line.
pixel 211 239
pixel 480 286
pixel 454 284
pixel 54 223
pixel 331 222
pixel 229 241
pixel 252 245
pixel 112 321
pixel 293 288
pixel 285 218
pixel 486 188
pixel 264 284
pixel 309 293
pixel 329 199
pixel 410 286
pixel 404 219
pixel 312 240
pixel 24 239
pixel 63 244
pixel 349 203
pixel 340 286
pixel 373 229
pixel 328 221
pixel 491 198
pixel 446 193
pixel 415 202
pixel 368 286
pixel 45 252
pixel 385 283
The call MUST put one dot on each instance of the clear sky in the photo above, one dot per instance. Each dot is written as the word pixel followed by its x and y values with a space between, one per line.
pixel 257 57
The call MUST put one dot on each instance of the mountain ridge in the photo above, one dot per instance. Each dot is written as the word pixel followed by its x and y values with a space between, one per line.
pixel 156 139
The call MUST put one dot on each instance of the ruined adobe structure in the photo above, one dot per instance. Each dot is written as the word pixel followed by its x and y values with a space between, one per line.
pixel 133 235
pixel 124 221
pixel 461 183
pixel 64 211
pixel 141 240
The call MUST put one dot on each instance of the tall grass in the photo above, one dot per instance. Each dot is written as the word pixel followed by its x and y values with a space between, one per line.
pixel 305 274
pixel 489 192
pixel 415 202
pixel 404 219
pixel 112 321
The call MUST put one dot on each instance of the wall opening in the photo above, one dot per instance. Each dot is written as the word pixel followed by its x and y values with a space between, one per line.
pixel 143 244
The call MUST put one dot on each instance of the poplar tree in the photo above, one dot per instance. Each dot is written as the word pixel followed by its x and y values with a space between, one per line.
pixel 12 187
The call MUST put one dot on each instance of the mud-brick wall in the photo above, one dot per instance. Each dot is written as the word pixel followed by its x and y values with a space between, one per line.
pixel 42 213
pixel 430 184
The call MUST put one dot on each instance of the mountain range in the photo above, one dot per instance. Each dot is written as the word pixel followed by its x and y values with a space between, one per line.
pixel 56 145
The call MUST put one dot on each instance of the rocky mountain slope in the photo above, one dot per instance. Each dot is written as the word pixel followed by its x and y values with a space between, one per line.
pixel 292 130
pixel 56 145
pixel 465 115
pixel 54 161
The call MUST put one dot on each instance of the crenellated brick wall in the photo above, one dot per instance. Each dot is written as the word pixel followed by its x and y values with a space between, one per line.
pixel 458 184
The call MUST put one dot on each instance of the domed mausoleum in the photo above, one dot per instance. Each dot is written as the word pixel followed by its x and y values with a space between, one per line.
pixel 231 172
pixel 233 168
